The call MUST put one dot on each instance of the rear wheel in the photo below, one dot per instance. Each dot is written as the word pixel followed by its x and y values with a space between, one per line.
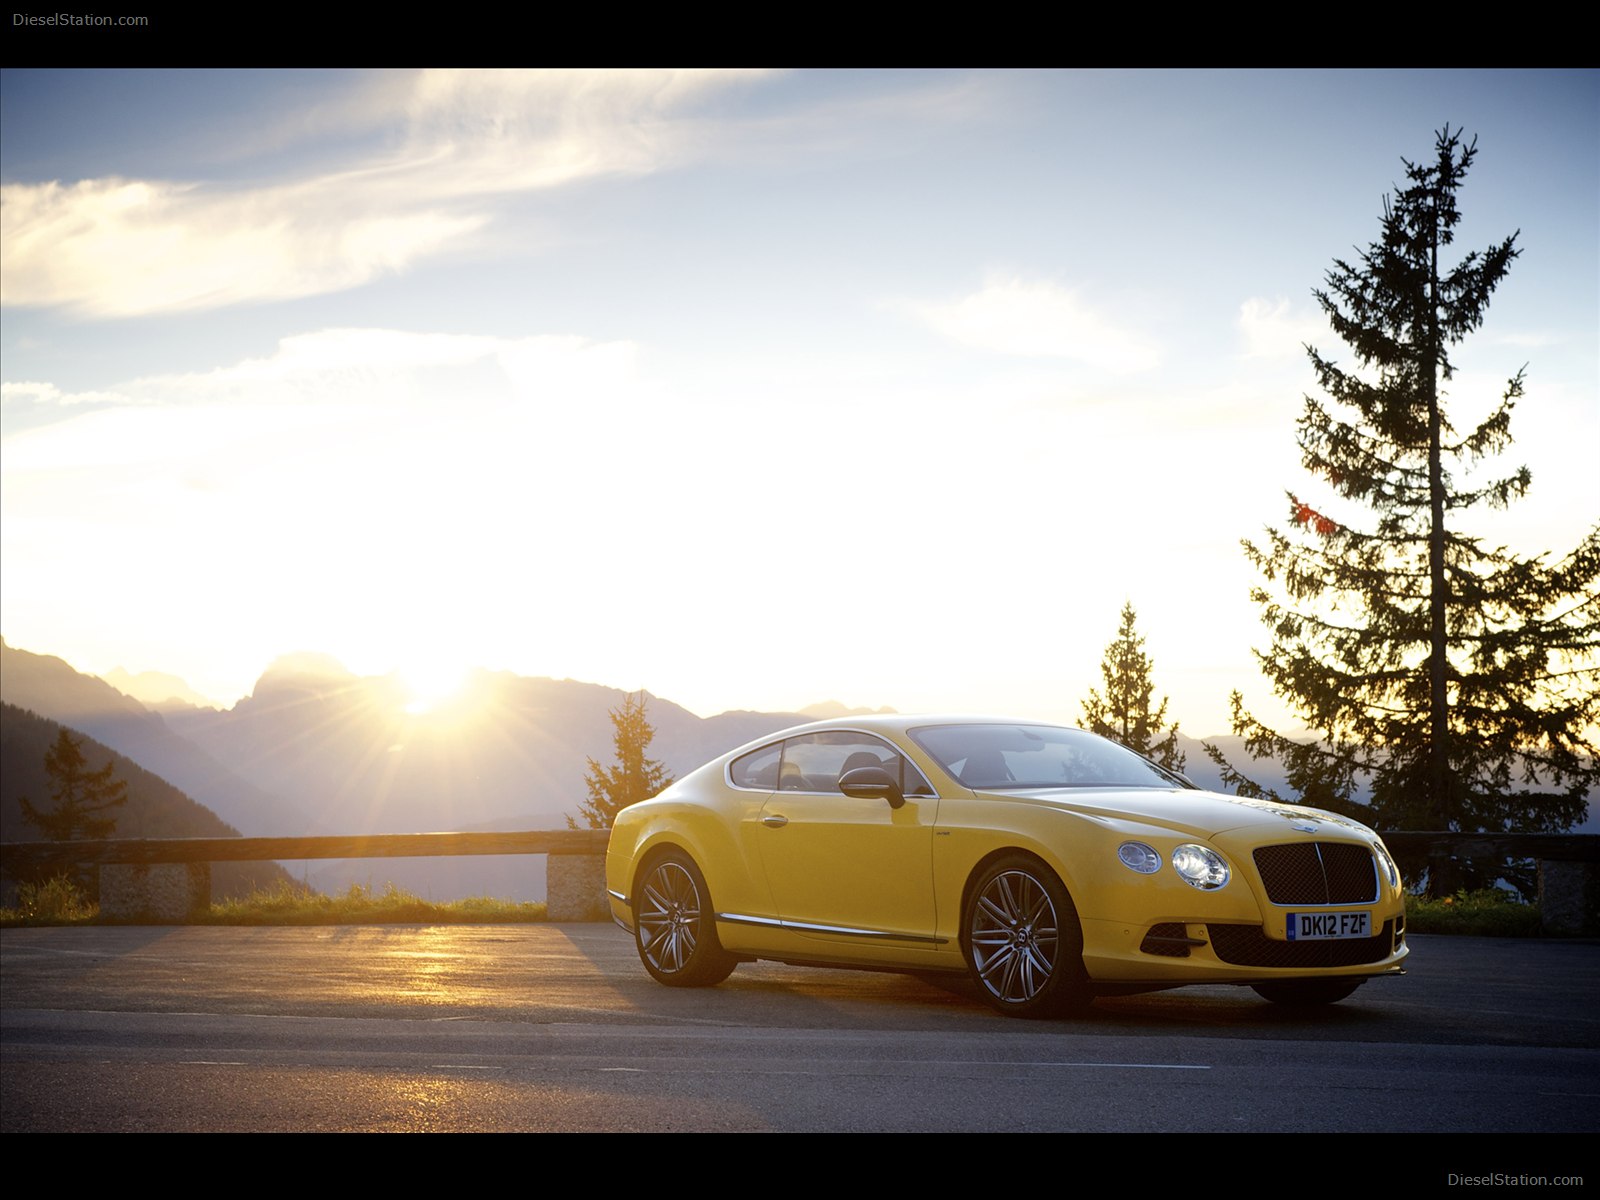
pixel 1306 993
pixel 676 929
pixel 1024 945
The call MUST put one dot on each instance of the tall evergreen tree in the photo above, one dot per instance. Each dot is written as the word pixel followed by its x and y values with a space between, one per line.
pixel 1456 676
pixel 632 778
pixel 80 795
pixel 1123 714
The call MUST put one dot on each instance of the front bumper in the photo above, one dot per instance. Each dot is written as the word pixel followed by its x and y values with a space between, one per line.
pixel 1227 952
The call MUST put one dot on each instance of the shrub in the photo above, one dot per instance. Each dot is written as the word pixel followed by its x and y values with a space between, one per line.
pixel 56 901
pixel 1487 912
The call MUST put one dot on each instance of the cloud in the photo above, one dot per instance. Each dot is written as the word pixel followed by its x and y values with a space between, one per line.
pixel 115 248
pixel 1012 316
pixel 1271 330
pixel 122 247
pixel 1529 341
pixel 493 131
pixel 351 368
pixel 304 356
pixel 24 393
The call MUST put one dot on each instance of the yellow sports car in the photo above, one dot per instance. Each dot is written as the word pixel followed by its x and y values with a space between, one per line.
pixel 1051 864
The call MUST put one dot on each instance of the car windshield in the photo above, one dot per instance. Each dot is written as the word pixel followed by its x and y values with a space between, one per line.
pixel 1038 756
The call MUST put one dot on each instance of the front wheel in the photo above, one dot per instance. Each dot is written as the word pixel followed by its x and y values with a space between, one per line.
pixel 1024 944
pixel 676 929
pixel 1306 993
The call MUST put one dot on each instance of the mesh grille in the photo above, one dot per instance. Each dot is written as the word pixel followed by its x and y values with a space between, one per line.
pixel 1318 873
pixel 1247 946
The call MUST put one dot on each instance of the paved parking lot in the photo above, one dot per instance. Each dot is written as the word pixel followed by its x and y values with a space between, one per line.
pixel 557 1028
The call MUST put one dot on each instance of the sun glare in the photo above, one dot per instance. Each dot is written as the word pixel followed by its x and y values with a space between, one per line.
pixel 432 686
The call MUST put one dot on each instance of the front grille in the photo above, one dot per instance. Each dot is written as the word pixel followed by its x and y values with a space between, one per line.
pixel 1318 873
pixel 1248 946
pixel 1170 940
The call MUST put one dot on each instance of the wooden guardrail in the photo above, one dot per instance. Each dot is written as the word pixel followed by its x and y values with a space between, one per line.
pixel 266 849
pixel 169 878
pixel 1553 847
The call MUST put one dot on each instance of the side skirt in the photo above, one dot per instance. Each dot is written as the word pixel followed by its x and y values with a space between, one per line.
pixel 831 930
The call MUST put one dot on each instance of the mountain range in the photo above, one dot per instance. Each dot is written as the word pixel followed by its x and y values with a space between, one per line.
pixel 153 808
pixel 316 749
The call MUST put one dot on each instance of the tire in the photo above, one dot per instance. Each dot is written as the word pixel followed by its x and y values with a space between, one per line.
pixel 675 925
pixel 1306 993
pixel 1023 941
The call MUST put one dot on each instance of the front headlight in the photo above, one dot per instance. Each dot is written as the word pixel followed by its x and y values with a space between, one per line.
pixel 1200 866
pixel 1388 864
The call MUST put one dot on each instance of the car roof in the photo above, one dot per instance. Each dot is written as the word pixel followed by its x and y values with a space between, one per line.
pixel 912 720
pixel 886 723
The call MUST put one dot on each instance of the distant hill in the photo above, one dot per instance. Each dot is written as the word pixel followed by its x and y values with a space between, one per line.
pixel 832 710
pixel 155 809
pixel 155 690
pixel 315 749
pixel 511 752
pixel 1204 773
pixel 50 687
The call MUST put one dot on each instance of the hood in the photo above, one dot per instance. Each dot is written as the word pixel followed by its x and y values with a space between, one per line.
pixel 1197 813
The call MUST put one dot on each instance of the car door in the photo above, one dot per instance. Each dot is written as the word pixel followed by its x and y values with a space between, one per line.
pixel 851 871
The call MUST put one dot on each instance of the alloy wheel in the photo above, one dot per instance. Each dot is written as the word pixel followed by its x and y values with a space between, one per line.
pixel 1014 937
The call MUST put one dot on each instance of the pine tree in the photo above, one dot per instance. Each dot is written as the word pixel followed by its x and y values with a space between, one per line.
pixel 80 795
pixel 633 778
pixel 1124 714
pixel 1457 677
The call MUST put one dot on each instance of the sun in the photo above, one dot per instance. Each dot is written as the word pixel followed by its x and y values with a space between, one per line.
pixel 431 685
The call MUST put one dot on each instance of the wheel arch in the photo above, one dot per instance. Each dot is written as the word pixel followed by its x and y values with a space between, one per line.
pixel 692 829
pixel 655 848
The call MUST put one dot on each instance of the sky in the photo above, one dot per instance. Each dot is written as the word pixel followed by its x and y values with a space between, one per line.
pixel 753 389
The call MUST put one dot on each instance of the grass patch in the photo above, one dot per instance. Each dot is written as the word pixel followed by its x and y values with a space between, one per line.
pixel 1488 912
pixel 59 902
pixel 291 904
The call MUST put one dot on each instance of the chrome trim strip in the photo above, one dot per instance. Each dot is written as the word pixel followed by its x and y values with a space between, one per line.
pixel 805 927
pixel 621 922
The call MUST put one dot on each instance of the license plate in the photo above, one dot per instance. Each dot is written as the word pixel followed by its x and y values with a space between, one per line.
pixel 1328 926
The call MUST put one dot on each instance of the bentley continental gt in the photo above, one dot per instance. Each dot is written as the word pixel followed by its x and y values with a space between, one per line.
pixel 1049 864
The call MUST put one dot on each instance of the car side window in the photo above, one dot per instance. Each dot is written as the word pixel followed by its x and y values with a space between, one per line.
pixel 813 762
pixel 757 770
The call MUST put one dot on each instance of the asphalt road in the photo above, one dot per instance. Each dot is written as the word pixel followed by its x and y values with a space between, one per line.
pixel 557 1028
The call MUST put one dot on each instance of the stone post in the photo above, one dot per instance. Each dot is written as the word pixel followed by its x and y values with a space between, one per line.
pixel 575 887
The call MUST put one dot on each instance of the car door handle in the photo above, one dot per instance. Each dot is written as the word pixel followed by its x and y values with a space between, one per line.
pixel 775 821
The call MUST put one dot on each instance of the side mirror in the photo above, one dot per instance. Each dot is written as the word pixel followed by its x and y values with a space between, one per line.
pixel 872 783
